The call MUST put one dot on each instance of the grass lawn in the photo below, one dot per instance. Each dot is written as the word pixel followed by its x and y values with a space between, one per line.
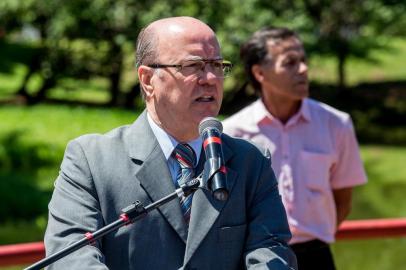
pixel 382 197
pixel 32 141
pixel 387 65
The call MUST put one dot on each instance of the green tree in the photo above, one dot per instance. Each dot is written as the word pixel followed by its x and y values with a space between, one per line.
pixel 84 38
pixel 77 38
pixel 47 59
pixel 338 28
pixel 345 28
pixel 353 28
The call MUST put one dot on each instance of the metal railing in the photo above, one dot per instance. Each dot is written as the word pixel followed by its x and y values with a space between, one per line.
pixel 27 253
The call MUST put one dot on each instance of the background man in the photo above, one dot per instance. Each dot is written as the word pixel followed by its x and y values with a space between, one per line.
pixel 181 71
pixel 314 150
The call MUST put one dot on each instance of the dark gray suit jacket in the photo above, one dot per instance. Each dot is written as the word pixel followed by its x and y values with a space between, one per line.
pixel 101 174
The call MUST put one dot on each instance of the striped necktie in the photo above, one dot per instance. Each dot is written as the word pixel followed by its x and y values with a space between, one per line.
pixel 186 158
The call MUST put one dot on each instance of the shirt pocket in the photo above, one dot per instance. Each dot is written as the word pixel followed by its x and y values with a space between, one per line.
pixel 316 170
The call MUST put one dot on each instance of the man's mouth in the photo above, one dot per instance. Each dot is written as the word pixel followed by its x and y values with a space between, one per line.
pixel 205 99
pixel 301 83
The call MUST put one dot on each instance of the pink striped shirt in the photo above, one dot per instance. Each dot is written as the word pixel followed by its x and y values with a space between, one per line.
pixel 315 152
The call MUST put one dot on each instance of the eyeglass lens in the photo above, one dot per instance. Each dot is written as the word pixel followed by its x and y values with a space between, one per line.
pixel 218 68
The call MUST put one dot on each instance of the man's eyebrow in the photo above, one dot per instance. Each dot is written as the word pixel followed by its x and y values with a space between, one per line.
pixel 294 53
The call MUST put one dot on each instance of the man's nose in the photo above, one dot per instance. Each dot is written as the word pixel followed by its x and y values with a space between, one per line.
pixel 208 75
pixel 303 67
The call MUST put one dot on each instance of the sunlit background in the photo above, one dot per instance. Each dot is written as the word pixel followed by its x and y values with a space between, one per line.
pixel 67 68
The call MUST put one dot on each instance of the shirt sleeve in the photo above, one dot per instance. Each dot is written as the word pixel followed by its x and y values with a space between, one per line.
pixel 348 169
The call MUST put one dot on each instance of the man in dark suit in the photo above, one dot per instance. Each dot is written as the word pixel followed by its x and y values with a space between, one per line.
pixel 181 72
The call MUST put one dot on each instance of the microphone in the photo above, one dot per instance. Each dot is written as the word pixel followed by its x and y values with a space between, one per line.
pixel 214 173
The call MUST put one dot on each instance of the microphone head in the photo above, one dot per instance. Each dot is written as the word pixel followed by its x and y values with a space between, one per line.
pixel 210 122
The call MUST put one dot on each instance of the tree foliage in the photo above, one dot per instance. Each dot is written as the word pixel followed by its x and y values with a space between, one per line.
pixel 85 38
pixel 352 28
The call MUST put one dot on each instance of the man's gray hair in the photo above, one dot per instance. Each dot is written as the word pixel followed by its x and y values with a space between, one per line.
pixel 146 50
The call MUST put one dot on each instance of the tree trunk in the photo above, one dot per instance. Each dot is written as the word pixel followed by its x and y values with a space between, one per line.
pixel 33 67
pixel 115 74
pixel 114 90
pixel 41 94
pixel 22 91
pixel 132 95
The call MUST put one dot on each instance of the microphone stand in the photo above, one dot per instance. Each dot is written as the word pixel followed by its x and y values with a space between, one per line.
pixel 131 213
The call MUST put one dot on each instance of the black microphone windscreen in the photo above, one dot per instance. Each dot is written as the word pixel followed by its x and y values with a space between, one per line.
pixel 210 122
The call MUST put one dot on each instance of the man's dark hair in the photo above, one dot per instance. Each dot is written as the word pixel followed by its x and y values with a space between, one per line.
pixel 255 50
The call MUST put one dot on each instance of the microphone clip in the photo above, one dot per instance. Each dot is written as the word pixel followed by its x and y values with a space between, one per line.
pixel 214 178
pixel 211 167
pixel 191 186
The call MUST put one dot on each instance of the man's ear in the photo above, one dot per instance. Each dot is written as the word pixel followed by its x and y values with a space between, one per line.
pixel 256 70
pixel 145 76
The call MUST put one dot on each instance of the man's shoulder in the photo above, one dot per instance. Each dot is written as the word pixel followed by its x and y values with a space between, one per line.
pixel 244 112
pixel 241 145
pixel 334 115
pixel 241 119
pixel 115 135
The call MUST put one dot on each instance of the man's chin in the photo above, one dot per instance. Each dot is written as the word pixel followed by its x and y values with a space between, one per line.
pixel 302 91
pixel 208 112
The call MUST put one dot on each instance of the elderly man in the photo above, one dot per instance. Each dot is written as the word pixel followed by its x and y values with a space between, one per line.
pixel 181 72
pixel 314 149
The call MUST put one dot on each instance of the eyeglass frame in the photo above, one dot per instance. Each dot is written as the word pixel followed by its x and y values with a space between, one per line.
pixel 225 63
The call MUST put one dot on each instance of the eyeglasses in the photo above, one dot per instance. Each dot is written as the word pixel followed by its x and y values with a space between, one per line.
pixel 220 68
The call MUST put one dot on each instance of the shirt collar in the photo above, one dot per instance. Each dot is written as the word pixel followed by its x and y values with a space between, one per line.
pixel 261 113
pixel 168 143
pixel 304 110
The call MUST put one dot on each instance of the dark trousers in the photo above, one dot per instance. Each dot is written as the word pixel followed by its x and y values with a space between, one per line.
pixel 313 255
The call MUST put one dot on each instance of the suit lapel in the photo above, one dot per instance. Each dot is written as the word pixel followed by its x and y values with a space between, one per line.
pixel 153 172
pixel 205 210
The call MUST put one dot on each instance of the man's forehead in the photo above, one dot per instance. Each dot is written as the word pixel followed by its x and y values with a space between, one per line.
pixel 286 46
pixel 208 47
pixel 189 48
pixel 200 58
pixel 195 56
